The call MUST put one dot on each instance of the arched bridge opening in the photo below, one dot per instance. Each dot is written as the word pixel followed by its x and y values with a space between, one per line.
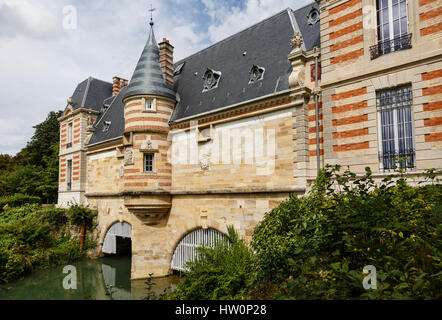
pixel 187 248
pixel 118 240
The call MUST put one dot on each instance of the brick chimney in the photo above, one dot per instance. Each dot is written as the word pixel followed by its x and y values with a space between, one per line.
pixel 166 60
pixel 118 84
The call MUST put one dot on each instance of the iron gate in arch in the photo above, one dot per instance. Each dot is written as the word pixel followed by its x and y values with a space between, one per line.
pixel 118 229
pixel 187 249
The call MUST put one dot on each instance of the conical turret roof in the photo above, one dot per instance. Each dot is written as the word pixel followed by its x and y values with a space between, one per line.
pixel 148 77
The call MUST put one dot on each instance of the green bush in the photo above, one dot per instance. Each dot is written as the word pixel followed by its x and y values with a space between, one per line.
pixel 223 272
pixel 17 200
pixel 35 238
pixel 82 216
pixel 324 240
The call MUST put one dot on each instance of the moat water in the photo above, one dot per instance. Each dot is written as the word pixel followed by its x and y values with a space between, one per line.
pixel 102 279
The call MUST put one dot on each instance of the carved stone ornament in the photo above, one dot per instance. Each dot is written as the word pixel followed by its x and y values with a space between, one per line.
pixel 205 162
pixel 205 155
pixel 296 41
pixel 147 145
pixel 128 156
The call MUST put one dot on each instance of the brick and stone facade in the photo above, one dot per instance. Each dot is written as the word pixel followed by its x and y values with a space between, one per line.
pixel 231 165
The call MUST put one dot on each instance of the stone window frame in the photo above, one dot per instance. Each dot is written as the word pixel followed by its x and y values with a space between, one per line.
pixel 69 174
pixel 145 154
pixel 395 124
pixel 70 135
pixel 153 105
pixel 370 26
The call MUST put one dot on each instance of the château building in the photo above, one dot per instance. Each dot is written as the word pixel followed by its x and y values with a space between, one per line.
pixel 186 148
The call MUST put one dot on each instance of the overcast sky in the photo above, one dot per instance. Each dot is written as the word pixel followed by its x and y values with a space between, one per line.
pixel 45 52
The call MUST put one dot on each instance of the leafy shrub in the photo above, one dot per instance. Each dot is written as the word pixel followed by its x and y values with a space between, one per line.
pixel 80 216
pixel 223 272
pixel 324 240
pixel 17 200
pixel 35 238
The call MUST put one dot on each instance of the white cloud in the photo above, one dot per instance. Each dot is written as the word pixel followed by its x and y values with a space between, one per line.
pixel 228 20
pixel 32 19
pixel 41 63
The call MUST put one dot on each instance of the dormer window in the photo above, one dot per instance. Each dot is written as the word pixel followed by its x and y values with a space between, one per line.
pixel 313 16
pixel 178 69
pixel 106 126
pixel 256 74
pixel 104 108
pixel 211 79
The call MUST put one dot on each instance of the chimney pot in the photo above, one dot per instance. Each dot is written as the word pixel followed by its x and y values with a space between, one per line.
pixel 166 60
pixel 118 84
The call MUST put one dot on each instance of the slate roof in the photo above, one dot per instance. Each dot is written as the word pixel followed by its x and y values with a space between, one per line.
pixel 90 94
pixel 267 44
pixel 114 114
pixel 148 77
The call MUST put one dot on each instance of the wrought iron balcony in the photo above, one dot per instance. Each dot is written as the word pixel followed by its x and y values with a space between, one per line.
pixel 395 160
pixel 402 42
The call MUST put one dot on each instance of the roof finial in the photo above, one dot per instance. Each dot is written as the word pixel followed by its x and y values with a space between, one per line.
pixel 151 15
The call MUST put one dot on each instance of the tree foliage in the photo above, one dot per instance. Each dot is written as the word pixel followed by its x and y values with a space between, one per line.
pixel 323 241
pixel 34 170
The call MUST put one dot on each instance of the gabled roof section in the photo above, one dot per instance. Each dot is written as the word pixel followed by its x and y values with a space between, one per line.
pixel 90 94
pixel 148 77
pixel 265 44
pixel 115 115
pixel 310 32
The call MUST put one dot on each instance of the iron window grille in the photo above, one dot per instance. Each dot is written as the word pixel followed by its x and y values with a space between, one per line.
pixel 396 128
pixel 399 43
pixel 149 163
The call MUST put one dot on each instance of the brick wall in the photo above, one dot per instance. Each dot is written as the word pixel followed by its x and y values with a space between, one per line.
pixel 341 35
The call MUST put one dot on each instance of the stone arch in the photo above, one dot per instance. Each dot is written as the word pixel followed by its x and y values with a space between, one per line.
pixel 186 247
pixel 116 232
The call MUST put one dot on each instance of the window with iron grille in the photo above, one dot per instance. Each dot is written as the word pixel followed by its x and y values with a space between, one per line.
pixel 148 162
pixel 69 175
pixel 70 135
pixel 392 25
pixel 396 128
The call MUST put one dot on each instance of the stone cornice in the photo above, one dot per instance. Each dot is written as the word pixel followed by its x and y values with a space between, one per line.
pixel 246 109
pixel 198 192
pixel 78 111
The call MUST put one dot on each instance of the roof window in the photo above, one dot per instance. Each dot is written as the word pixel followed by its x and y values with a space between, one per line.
pixel 211 79
pixel 179 69
pixel 256 74
pixel 106 126
pixel 313 16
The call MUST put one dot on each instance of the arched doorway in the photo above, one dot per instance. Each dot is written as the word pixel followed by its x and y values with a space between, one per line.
pixel 186 250
pixel 118 239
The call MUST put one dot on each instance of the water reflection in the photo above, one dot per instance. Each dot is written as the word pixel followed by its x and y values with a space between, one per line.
pixel 103 279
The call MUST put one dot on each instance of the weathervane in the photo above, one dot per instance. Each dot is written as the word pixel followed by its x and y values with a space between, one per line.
pixel 151 14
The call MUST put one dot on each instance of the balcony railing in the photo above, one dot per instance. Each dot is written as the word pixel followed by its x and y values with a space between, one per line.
pixel 395 160
pixel 399 43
